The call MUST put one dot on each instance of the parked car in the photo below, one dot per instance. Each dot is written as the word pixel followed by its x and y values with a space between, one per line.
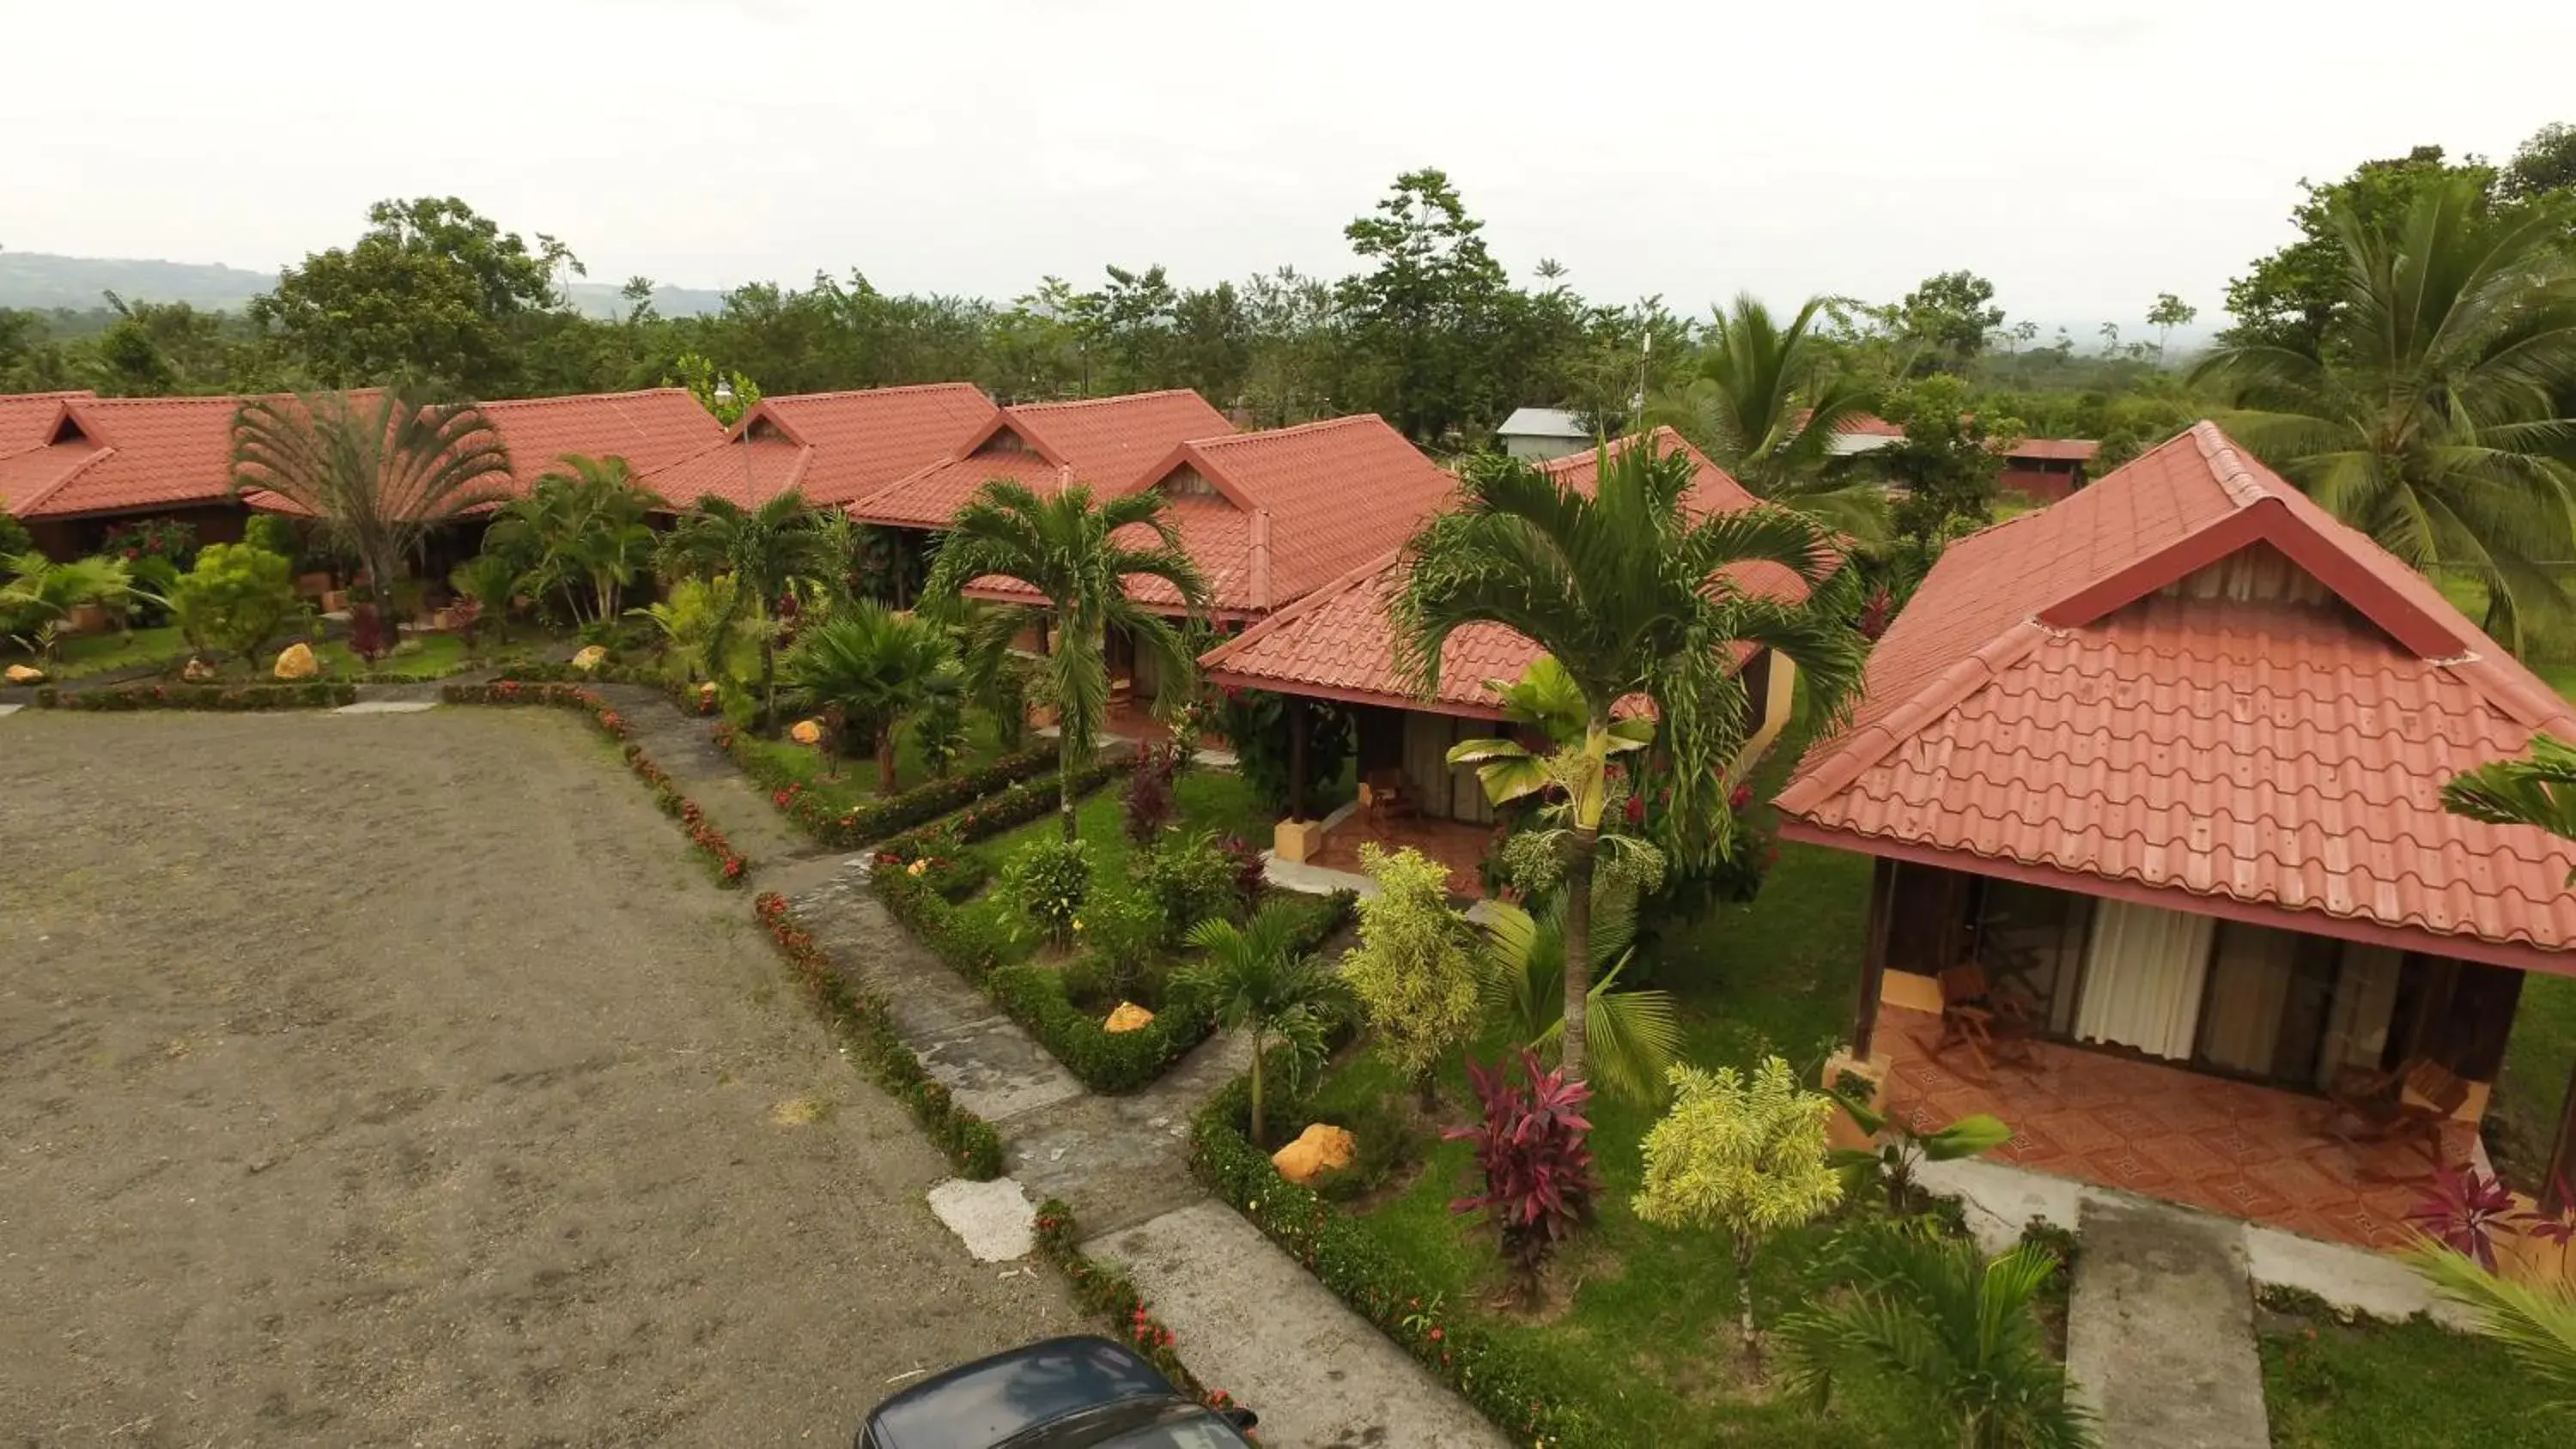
pixel 1063 1393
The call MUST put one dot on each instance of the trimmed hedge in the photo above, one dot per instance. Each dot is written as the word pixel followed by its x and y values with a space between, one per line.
pixel 1490 1373
pixel 729 864
pixel 849 829
pixel 311 694
pixel 867 1030
pixel 1113 1295
pixel 683 697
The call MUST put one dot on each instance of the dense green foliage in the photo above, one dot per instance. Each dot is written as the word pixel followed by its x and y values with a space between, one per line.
pixel 234 599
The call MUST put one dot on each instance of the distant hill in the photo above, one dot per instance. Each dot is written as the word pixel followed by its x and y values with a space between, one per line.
pixel 43 281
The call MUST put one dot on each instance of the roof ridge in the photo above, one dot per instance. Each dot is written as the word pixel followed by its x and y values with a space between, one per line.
pixel 1312 600
pixel 2227 465
pixel 96 456
pixel 1089 402
pixel 876 391
pixel 1315 426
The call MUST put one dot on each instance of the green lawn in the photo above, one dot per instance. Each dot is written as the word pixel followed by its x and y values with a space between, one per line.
pixel 85 655
pixel 849 782
pixel 2398 1386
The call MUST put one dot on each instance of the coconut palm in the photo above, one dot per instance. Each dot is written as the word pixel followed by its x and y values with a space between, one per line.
pixel 865 669
pixel 1630 595
pixel 376 476
pixel 769 550
pixel 2434 417
pixel 1067 548
pixel 1959 1326
pixel 581 528
pixel 2536 1325
pixel 1255 980
pixel 1634 1035
pixel 1766 404
pixel 41 594
pixel 992 671
pixel 2538 791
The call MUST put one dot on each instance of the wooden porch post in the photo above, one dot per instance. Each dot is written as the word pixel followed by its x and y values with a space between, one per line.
pixel 1873 956
pixel 1296 757
pixel 2562 1156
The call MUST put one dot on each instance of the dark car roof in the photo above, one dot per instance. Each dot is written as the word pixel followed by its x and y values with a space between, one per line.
pixel 978 1405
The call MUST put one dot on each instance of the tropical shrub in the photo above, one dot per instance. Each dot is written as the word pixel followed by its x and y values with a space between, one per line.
pixel 2536 1325
pixel 1745 1156
pixel 1189 880
pixel 1045 883
pixel 1538 1171
pixel 234 600
pixel 14 540
pixel 1255 723
pixel 1412 973
pixel 1150 806
pixel 1119 931
pixel 865 669
pixel 1635 1034
pixel 580 534
pixel 1261 980
pixel 1896 1149
pixel 38 600
pixel 274 533
pixel 1251 873
pixel 167 539
pixel 940 731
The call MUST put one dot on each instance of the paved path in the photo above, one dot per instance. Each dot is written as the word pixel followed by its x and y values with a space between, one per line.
pixel 2160 1329
pixel 684 745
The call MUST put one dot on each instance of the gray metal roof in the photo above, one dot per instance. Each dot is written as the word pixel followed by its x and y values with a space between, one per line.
pixel 1542 423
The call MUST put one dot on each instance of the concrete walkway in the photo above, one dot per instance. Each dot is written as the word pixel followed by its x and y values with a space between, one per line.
pixel 2160 1329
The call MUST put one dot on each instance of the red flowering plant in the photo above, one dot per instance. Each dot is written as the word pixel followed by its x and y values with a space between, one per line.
pixel 2466 1210
pixel 1532 1147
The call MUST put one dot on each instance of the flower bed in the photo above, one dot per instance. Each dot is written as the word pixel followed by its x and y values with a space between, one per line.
pixel 316 694
pixel 849 829
pixel 867 1029
pixel 683 697
pixel 1380 1286
pixel 1104 1290
pixel 729 864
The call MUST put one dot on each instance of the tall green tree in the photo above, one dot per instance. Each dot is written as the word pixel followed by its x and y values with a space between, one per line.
pixel 1949 317
pixel 1630 595
pixel 2168 313
pixel 1255 980
pixel 865 670
pixel 1422 312
pixel 1411 971
pixel 1067 548
pixel 2286 299
pixel 2435 415
pixel 432 292
pixel 1947 461
pixel 768 550
pixel 1766 404
pixel 375 475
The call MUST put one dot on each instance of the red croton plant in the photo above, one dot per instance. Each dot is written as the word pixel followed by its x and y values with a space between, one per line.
pixel 2466 1209
pixel 1531 1146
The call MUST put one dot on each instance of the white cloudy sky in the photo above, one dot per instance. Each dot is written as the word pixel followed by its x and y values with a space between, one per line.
pixel 2084 154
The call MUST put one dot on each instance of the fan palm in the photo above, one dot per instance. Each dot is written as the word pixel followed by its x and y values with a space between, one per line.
pixel 768 550
pixel 1634 1035
pixel 865 669
pixel 2434 415
pixel 2537 1326
pixel 377 477
pixel 1630 595
pixel 2538 791
pixel 1067 548
pixel 492 582
pixel 1959 1326
pixel 41 594
pixel 1254 980
pixel 582 528
pixel 1766 405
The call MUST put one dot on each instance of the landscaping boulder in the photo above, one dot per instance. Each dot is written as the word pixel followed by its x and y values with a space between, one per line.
pixel 25 674
pixel 1319 1149
pixel 1128 1017
pixel 590 658
pixel 806 732
pixel 296 661
pixel 197 671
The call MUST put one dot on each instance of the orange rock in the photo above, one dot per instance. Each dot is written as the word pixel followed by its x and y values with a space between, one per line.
pixel 806 732
pixel 296 661
pixel 590 657
pixel 1128 1017
pixel 25 674
pixel 1319 1149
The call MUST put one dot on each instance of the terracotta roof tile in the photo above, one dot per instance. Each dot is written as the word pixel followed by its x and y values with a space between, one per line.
pixel 1108 443
pixel 2050 699
pixel 27 418
pixel 2055 450
pixel 835 446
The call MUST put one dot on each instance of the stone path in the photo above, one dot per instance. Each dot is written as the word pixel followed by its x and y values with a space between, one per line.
pixel 683 744
pixel 2160 1328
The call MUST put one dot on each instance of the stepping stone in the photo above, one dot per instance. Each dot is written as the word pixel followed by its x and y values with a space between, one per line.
pixel 387 706
pixel 995 1220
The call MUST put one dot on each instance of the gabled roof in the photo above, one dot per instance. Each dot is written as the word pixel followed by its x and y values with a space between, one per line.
pixel 2054 450
pixel 1543 423
pixel 1337 642
pixel 1108 443
pixel 136 454
pixel 834 446
pixel 2189 684
pixel 28 419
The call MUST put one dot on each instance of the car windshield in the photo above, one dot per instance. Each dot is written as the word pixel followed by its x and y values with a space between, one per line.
pixel 1199 1431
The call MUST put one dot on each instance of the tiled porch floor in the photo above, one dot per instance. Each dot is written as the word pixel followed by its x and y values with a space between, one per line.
pixel 1458 846
pixel 2229 1147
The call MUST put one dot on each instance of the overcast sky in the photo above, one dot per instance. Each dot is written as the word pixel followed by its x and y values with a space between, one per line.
pixel 2084 155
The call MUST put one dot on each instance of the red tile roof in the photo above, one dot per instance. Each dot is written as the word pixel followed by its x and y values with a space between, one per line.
pixel 1337 643
pixel 835 446
pixel 1108 443
pixel 167 452
pixel 2078 695
pixel 1868 425
pixel 27 418
pixel 2054 450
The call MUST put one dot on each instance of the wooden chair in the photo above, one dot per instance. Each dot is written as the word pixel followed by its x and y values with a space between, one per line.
pixel 1993 1025
pixel 1388 798
pixel 2407 1105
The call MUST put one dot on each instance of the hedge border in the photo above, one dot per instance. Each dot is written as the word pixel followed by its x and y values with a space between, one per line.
pixel 1104 1290
pixel 865 1024
pixel 850 829
pixel 124 698
pixel 683 697
pixel 730 865
pixel 1490 1373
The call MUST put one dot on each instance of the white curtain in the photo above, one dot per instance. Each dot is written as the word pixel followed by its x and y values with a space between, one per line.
pixel 2365 996
pixel 2143 978
pixel 2249 984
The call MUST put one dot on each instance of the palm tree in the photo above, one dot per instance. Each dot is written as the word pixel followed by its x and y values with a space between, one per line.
pixel 768 550
pixel 992 672
pixel 1255 980
pixel 1634 1035
pixel 492 582
pixel 41 594
pixel 1067 549
pixel 865 669
pixel 1766 405
pixel 1960 1327
pixel 2433 417
pixel 580 527
pixel 376 477
pixel 2538 791
pixel 1630 596
pixel 2537 1326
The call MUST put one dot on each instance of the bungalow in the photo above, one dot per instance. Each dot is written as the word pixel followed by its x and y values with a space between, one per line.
pixel 2044 470
pixel 2150 784
pixel 835 447
pixel 1337 644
